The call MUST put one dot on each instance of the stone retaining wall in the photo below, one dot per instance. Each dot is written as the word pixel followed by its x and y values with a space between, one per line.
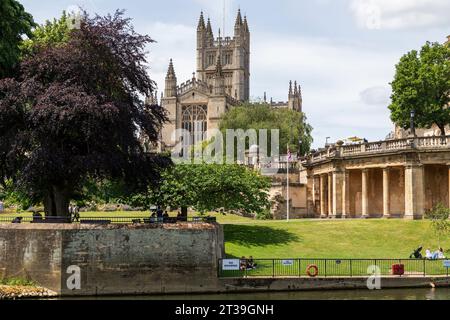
pixel 114 259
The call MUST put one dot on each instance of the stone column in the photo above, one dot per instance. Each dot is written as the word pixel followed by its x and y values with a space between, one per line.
pixel 414 191
pixel 448 182
pixel 314 188
pixel 322 196
pixel 310 193
pixel 346 195
pixel 365 193
pixel 338 179
pixel 330 194
pixel 386 200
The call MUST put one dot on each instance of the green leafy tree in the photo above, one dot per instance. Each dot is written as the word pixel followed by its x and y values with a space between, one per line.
pixel 13 197
pixel 422 85
pixel 49 34
pixel 15 22
pixel 292 124
pixel 439 221
pixel 211 187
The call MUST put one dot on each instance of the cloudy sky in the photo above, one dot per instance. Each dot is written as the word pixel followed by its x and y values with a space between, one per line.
pixel 343 52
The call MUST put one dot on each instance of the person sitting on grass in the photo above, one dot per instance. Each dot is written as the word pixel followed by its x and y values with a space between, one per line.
pixel 417 254
pixel 441 254
pixel 243 265
pixel 428 254
pixel 251 264
pixel 17 220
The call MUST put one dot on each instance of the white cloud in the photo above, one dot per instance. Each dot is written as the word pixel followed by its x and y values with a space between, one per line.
pixel 400 14
pixel 379 95
pixel 174 41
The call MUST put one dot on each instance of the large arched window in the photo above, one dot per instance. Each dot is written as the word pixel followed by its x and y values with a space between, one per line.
pixel 195 122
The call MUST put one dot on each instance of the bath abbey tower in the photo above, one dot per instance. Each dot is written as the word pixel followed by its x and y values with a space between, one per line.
pixel 221 81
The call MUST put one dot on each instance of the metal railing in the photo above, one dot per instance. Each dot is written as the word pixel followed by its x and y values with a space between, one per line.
pixel 297 268
pixel 106 220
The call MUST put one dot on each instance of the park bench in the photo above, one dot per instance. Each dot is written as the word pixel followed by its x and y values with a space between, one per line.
pixel 153 220
pixel 170 220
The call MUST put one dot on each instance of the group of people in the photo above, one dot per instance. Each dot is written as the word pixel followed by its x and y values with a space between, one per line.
pixel 247 264
pixel 438 254
pixel 159 213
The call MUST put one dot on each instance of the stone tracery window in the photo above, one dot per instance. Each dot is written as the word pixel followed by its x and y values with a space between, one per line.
pixel 194 121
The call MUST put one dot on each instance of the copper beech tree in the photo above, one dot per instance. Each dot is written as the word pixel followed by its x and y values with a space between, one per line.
pixel 74 111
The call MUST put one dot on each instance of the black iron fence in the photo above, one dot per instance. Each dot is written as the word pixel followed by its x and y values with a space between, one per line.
pixel 105 220
pixel 241 268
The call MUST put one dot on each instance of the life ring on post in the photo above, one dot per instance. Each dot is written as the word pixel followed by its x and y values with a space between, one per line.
pixel 312 270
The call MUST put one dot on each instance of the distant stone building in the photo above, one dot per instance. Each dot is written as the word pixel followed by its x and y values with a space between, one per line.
pixel 222 80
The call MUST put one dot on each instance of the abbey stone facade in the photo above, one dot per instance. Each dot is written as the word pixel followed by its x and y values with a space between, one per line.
pixel 221 81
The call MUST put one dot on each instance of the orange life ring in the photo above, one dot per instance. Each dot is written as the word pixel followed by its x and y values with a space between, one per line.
pixel 316 271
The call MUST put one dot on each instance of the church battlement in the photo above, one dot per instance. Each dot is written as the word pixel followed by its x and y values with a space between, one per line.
pixel 193 84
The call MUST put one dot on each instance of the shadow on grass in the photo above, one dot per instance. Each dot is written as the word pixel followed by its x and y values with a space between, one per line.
pixel 258 235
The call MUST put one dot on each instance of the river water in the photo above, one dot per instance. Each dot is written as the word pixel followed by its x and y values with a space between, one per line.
pixel 388 294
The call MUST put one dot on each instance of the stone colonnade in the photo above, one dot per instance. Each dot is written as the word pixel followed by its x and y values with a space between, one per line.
pixel 405 191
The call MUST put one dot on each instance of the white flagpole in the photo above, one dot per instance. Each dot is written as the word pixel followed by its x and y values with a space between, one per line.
pixel 287 185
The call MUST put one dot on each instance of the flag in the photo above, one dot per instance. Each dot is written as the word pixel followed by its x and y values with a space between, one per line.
pixel 289 155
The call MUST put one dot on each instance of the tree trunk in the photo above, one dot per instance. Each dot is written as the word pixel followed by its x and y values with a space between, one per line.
pixel 56 202
pixel 184 212
pixel 442 128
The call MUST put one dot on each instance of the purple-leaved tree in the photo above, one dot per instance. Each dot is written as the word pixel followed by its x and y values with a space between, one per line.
pixel 74 111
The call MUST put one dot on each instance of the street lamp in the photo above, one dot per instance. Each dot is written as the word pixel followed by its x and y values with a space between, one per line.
pixel 299 154
pixel 411 125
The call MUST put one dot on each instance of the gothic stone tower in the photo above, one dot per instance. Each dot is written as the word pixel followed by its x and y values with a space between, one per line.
pixel 222 81
pixel 233 52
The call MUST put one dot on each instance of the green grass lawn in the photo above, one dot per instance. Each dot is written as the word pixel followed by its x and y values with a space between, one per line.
pixel 330 239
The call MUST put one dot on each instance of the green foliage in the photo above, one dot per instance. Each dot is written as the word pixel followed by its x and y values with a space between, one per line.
pixel 14 197
pixel 212 187
pixel 100 192
pixel 292 124
pixel 264 215
pixel 51 33
pixel 14 23
pixel 17 282
pixel 439 220
pixel 422 84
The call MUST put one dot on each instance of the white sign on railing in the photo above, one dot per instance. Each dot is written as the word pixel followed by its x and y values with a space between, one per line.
pixel 287 263
pixel 446 263
pixel 231 264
